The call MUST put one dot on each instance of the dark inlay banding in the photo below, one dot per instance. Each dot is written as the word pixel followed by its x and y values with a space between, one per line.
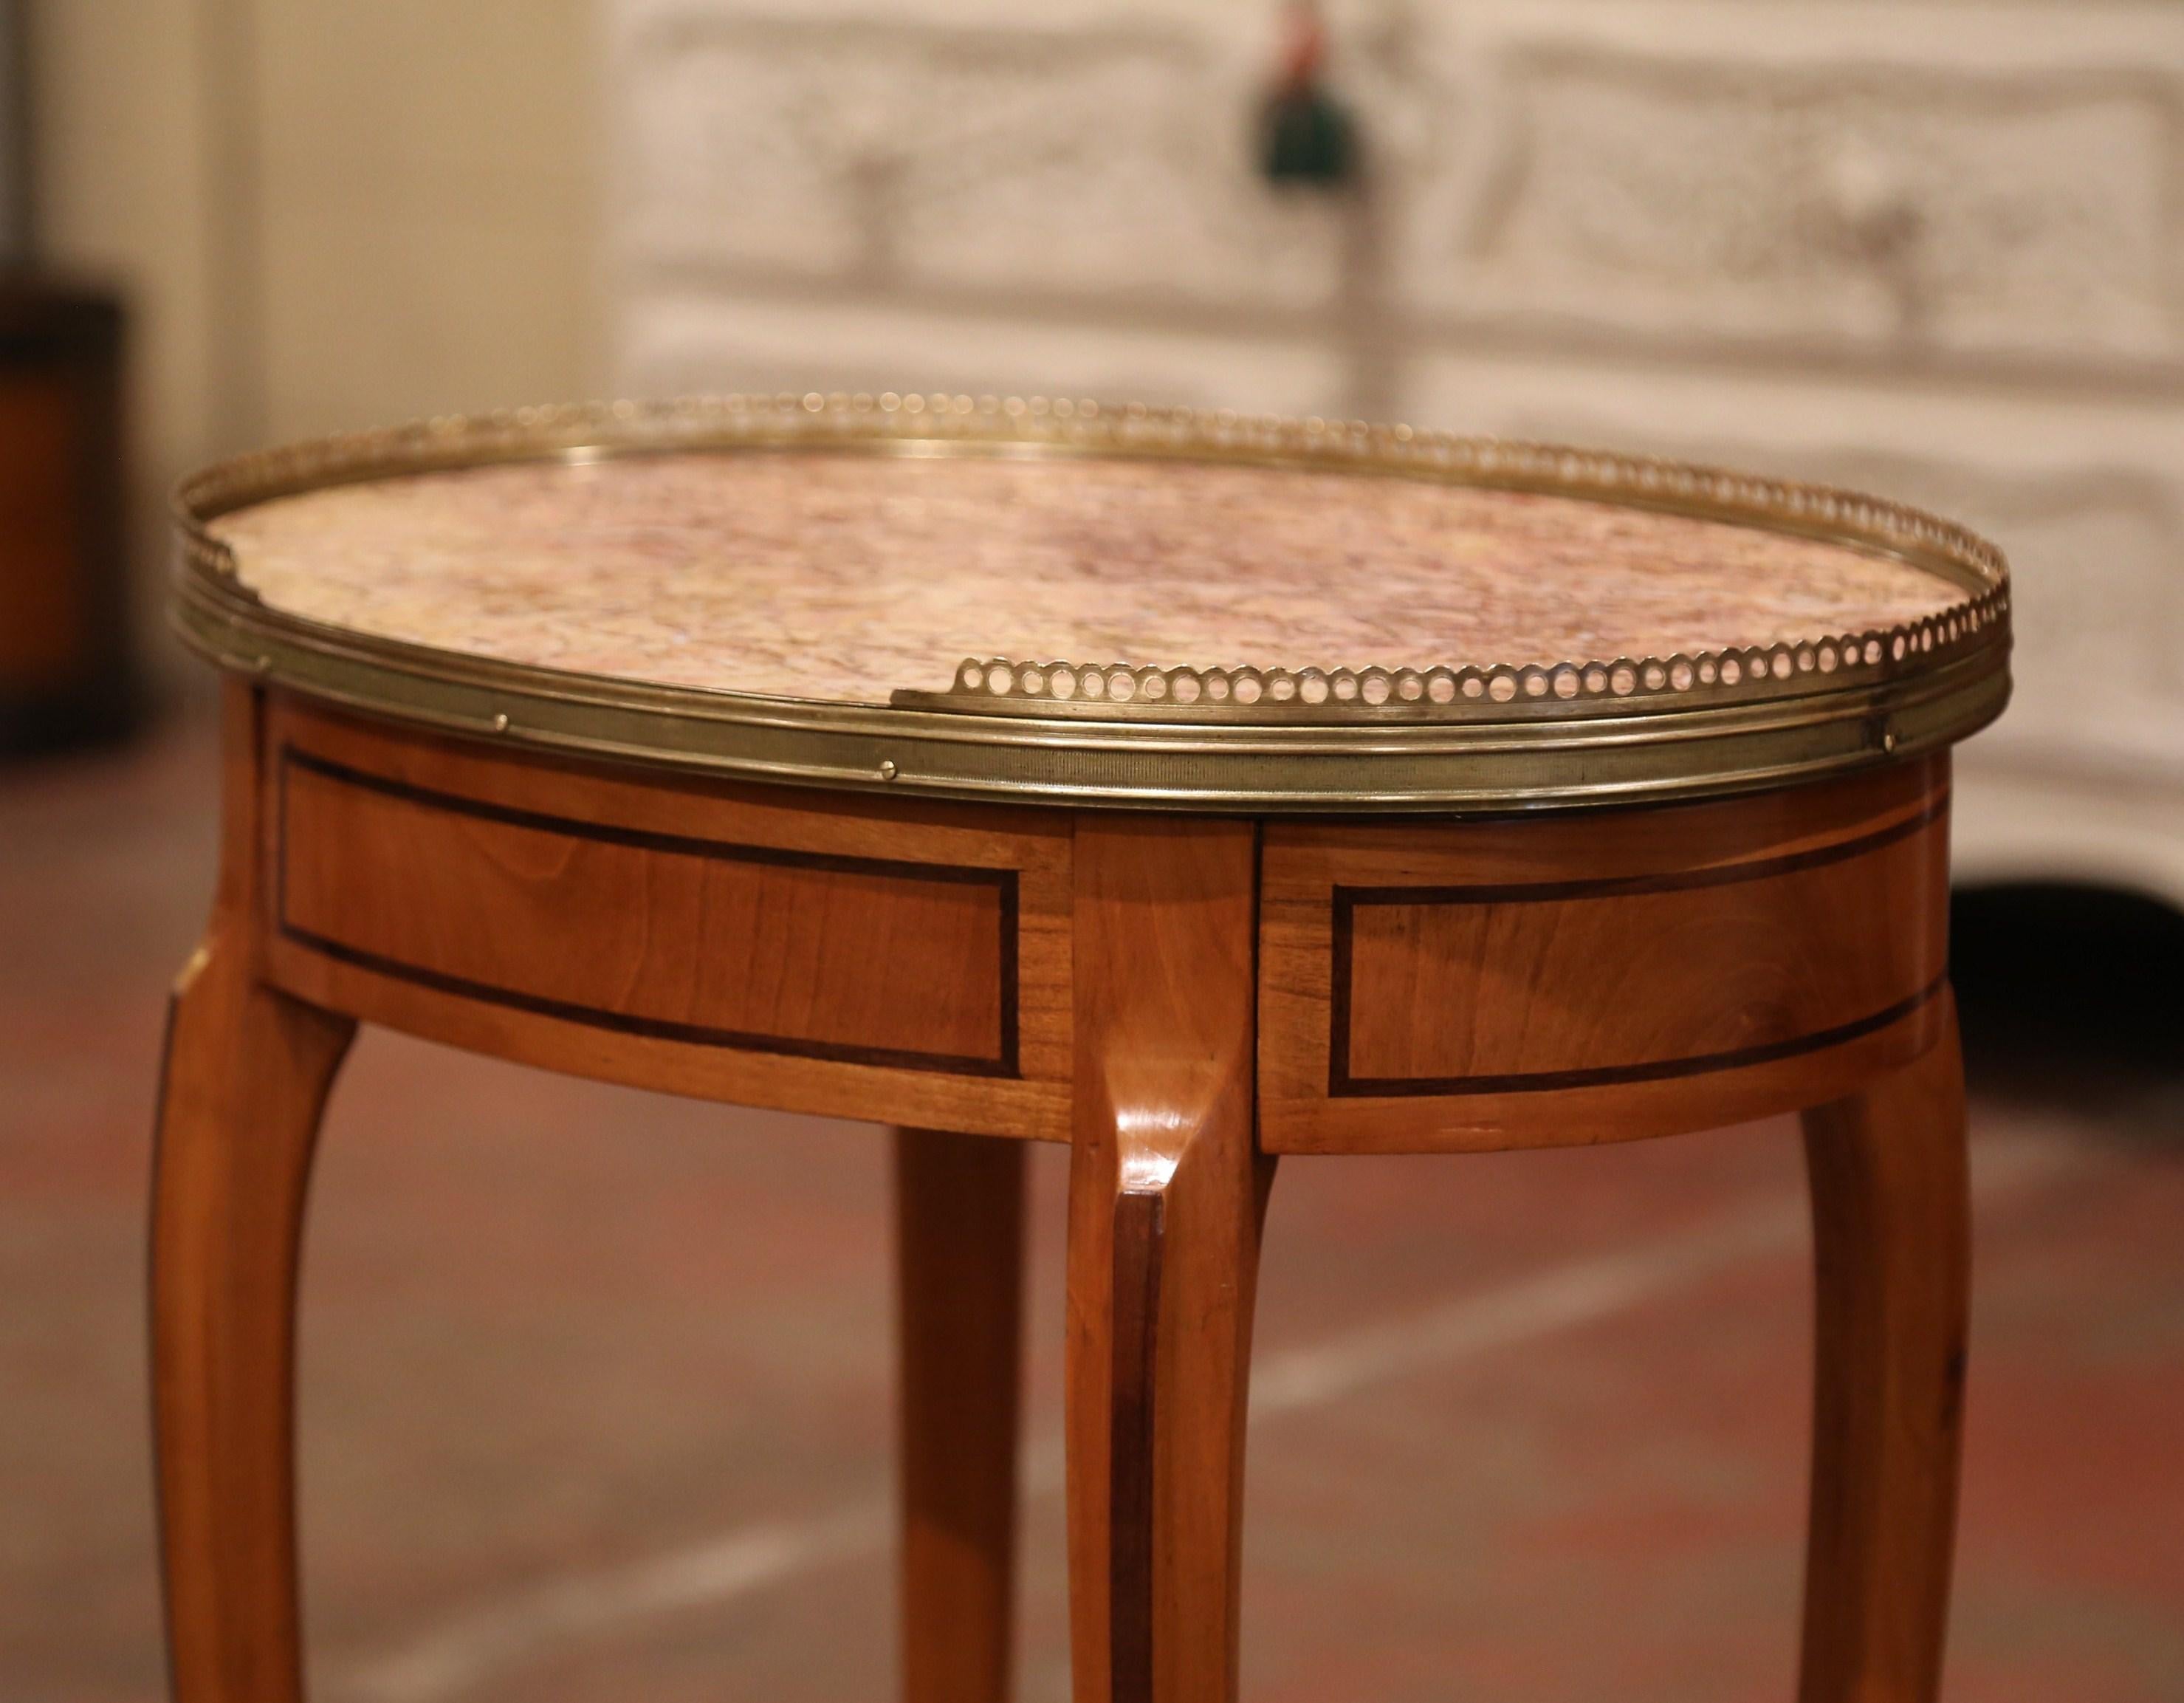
pixel 1138 1216
pixel 1003 1063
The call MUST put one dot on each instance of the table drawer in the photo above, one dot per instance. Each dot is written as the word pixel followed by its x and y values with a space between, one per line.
pixel 696 920
pixel 1453 986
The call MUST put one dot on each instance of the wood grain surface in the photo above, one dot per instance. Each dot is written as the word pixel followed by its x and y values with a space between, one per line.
pixel 245 1077
pixel 1891 1247
pixel 768 947
pixel 870 960
pixel 1167 1200
pixel 1523 982
pixel 959 1298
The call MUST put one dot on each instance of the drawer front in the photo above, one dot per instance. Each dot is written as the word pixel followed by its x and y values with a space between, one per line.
pixel 1463 985
pixel 422 886
pixel 872 960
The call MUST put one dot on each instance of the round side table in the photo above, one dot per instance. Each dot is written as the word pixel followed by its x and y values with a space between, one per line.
pixel 1188 788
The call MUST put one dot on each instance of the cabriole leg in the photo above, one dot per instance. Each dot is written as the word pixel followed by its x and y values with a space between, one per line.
pixel 959 1227
pixel 247 1073
pixel 1892 1244
pixel 1166 1200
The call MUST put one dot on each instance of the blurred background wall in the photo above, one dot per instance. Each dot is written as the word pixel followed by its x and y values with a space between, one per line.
pixel 320 214
pixel 1929 249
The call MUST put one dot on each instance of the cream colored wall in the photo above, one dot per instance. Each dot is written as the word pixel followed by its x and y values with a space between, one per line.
pixel 324 214
pixel 429 210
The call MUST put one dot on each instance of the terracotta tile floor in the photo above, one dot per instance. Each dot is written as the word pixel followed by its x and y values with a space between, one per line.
pixel 596 1385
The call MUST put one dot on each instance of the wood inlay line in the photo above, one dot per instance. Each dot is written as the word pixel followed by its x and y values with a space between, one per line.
pixel 1345 1086
pixel 1624 886
pixel 1003 1063
pixel 1345 902
pixel 643 839
pixel 1138 1225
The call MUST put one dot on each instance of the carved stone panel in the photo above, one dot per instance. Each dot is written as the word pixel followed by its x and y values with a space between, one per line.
pixel 1842 203
pixel 1098 166
pixel 687 341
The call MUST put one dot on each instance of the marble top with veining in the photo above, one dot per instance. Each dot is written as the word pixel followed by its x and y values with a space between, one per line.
pixel 842 577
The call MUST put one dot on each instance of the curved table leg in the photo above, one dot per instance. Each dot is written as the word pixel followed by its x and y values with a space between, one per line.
pixel 1167 1197
pixel 959 1226
pixel 1892 1244
pixel 245 1076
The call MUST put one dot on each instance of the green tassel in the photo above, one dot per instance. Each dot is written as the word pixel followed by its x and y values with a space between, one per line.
pixel 1308 139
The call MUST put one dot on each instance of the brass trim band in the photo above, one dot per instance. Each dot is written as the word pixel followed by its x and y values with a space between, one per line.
pixel 1492 736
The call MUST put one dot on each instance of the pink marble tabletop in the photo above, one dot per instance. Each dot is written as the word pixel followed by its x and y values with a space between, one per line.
pixel 841 578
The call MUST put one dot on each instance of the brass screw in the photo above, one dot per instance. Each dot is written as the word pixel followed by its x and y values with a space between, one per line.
pixel 500 722
pixel 888 770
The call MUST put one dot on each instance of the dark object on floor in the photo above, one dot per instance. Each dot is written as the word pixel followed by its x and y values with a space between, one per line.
pixel 2064 989
pixel 65 666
